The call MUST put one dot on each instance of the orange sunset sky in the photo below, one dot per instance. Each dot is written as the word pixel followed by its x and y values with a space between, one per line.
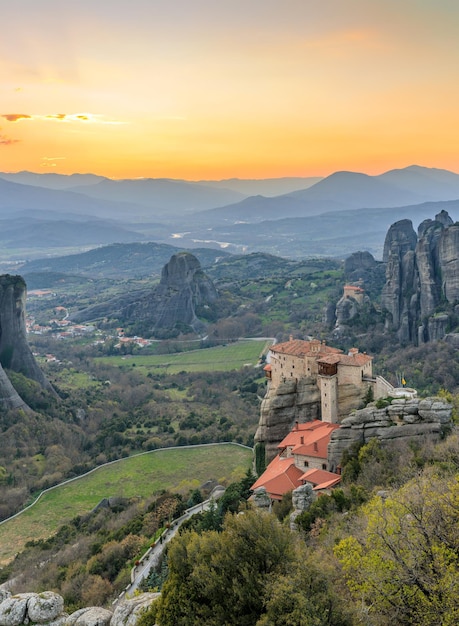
pixel 201 89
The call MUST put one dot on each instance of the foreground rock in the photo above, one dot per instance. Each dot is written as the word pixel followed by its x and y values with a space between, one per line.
pixel 38 608
pixel 48 608
pixel 128 612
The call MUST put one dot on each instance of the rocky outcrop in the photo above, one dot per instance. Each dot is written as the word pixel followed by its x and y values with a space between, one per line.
pixel 183 292
pixel 422 277
pixel 35 608
pixel 47 608
pixel 15 353
pixel 302 498
pixel 402 419
pixel 362 268
pixel 292 401
pixel 261 499
pixel 127 612
pixel 182 289
pixel 90 616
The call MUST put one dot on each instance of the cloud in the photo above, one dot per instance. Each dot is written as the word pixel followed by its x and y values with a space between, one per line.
pixel 16 117
pixel 6 141
pixel 56 116
pixel 86 118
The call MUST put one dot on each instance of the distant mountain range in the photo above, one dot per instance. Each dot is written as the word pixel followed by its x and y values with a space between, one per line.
pixel 292 217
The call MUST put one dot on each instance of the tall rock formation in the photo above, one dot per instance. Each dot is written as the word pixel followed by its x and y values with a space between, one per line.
pixel 422 278
pixel 15 353
pixel 292 401
pixel 173 303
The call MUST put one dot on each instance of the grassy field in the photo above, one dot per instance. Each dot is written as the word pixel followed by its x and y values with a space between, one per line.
pixel 220 358
pixel 141 475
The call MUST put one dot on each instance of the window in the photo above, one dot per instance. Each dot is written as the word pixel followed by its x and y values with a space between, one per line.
pixel 324 466
pixel 306 463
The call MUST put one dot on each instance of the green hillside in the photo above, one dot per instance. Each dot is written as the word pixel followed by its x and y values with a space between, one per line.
pixel 142 475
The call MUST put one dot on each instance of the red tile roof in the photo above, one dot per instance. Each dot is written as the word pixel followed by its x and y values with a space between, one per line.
pixel 355 358
pixel 309 438
pixel 281 476
pixel 320 479
pixel 298 347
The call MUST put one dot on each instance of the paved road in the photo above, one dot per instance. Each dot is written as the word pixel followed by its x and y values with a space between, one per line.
pixel 152 557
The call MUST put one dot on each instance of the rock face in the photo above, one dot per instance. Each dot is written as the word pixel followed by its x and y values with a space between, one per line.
pixel 422 275
pixel 48 608
pixel 302 498
pixel 182 289
pixel 292 401
pixel 37 608
pixel 128 611
pixel 15 353
pixel 402 419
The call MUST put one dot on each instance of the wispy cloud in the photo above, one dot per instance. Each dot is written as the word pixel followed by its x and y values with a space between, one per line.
pixel 6 141
pixel 16 117
pixel 87 118
pixel 51 161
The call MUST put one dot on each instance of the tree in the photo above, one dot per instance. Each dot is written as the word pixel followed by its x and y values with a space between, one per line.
pixel 404 563
pixel 242 574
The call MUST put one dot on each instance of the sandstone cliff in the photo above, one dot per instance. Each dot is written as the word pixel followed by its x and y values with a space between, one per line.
pixel 15 353
pixel 291 402
pixel 422 278
pixel 401 420
pixel 182 289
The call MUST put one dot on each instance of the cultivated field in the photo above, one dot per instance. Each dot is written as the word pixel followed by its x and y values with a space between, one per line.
pixel 143 475
pixel 220 358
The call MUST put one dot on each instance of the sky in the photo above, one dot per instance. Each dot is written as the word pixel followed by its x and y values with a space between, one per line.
pixel 206 90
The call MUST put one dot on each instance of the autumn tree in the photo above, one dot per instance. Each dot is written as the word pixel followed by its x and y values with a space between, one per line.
pixel 403 565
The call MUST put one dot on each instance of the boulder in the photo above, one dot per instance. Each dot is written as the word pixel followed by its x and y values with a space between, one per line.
pixel 302 498
pixel 90 616
pixel 13 610
pixel 45 607
pixel 261 499
pixel 128 611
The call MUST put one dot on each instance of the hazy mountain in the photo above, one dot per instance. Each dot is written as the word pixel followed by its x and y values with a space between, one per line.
pixel 335 233
pixel 32 233
pixel 268 187
pixel 436 183
pixel 15 196
pixel 133 259
pixel 162 195
pixel 343 191
pixel 52 181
